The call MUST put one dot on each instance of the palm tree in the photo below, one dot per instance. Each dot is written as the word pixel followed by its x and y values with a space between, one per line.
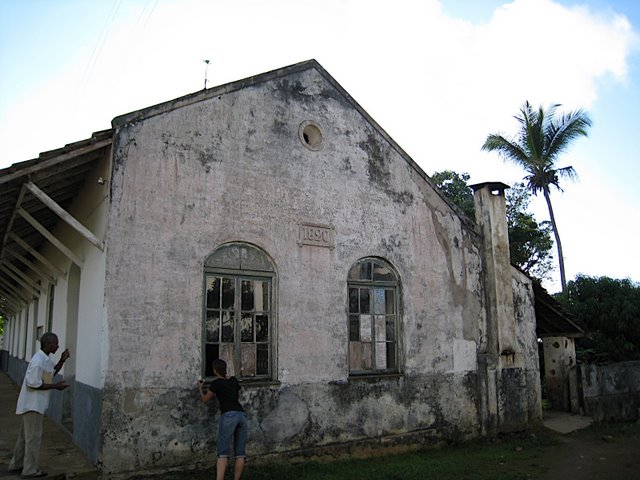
pixel 542 137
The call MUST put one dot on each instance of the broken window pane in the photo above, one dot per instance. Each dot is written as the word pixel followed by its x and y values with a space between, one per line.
pixel 390 301
pixel 354 327
pixel 247 295
pixel 228 292
pixel 262 328
pixel 246 327
pixel 213 292
pixel 391 356
pixel 213 327
pixel 391 328
pixel 227 326
pixel 212 351
pixel 353 300
pixel 262 359
pixel 364 301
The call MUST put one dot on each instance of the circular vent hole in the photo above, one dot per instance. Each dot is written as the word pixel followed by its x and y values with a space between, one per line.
pixel 311 135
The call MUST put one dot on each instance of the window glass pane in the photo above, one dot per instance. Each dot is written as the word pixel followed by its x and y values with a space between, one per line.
pixel 354 273
pixel 262 328
pixel 390 301
pixel 364 301
pixel 380 328
pixel 353 300
pixel 365 271
pixel 227 256
pixel 391 328
pixel 227 326
pixel 354 327
pixel 361 271
pixel 391 355
pixel 381 355
pixel 365 328
pixel 262 359
pixel 379 302
pixel 261 290
pixel 211 353
pixel 228 292
pixel 213 292
pixel 213 327
pixel 248 359
pixel 246 327
pixel 253 259
pixel 381 273
pixel 247 302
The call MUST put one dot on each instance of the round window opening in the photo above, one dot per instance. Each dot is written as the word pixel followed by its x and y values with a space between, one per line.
pixel 310 135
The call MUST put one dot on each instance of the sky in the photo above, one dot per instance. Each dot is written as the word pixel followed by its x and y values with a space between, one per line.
pixel 438 76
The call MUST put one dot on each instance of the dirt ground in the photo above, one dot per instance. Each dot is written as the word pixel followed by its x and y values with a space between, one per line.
pixel 593 455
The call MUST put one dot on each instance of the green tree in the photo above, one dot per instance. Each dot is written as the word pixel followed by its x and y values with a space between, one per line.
pixel 455 187
pixel 610 312
pixel 543 136
pixel 529 241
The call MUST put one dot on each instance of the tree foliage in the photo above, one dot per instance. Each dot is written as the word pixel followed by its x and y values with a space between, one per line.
pixel 543 136
pixel 455 187
pixel 529 241
pixel 610 311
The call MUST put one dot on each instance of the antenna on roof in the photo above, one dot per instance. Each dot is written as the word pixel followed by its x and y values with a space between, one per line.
pixel 205 73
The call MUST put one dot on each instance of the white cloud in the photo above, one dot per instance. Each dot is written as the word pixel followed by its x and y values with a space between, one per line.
pixel 437 84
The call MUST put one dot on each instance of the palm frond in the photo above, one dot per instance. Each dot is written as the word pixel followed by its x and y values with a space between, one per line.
pixel 562 131
pixel 567 172
pixel 509 150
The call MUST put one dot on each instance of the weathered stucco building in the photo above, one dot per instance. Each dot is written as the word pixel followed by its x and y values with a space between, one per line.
pixel 273 223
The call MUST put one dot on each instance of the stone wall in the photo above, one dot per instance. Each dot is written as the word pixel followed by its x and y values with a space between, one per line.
pixel 611 393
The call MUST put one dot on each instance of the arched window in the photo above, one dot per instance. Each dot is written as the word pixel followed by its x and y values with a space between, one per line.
pixel 373 317
pixel 238 311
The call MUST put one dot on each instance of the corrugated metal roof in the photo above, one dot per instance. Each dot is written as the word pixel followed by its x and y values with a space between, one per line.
pixel 59 174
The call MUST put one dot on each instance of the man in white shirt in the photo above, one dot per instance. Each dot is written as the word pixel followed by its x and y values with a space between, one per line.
pixel 32 404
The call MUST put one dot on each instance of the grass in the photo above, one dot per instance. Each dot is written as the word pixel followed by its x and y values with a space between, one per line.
pixel 511 458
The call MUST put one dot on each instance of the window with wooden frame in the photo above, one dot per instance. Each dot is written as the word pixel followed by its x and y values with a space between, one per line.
pixel 373 317
pixel 238 311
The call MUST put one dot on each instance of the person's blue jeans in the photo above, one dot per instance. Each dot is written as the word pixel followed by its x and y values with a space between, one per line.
pixel 233 427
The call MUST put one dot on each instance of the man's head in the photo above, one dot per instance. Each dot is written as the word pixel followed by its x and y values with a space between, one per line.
pixel 220 367
pixel 49 343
